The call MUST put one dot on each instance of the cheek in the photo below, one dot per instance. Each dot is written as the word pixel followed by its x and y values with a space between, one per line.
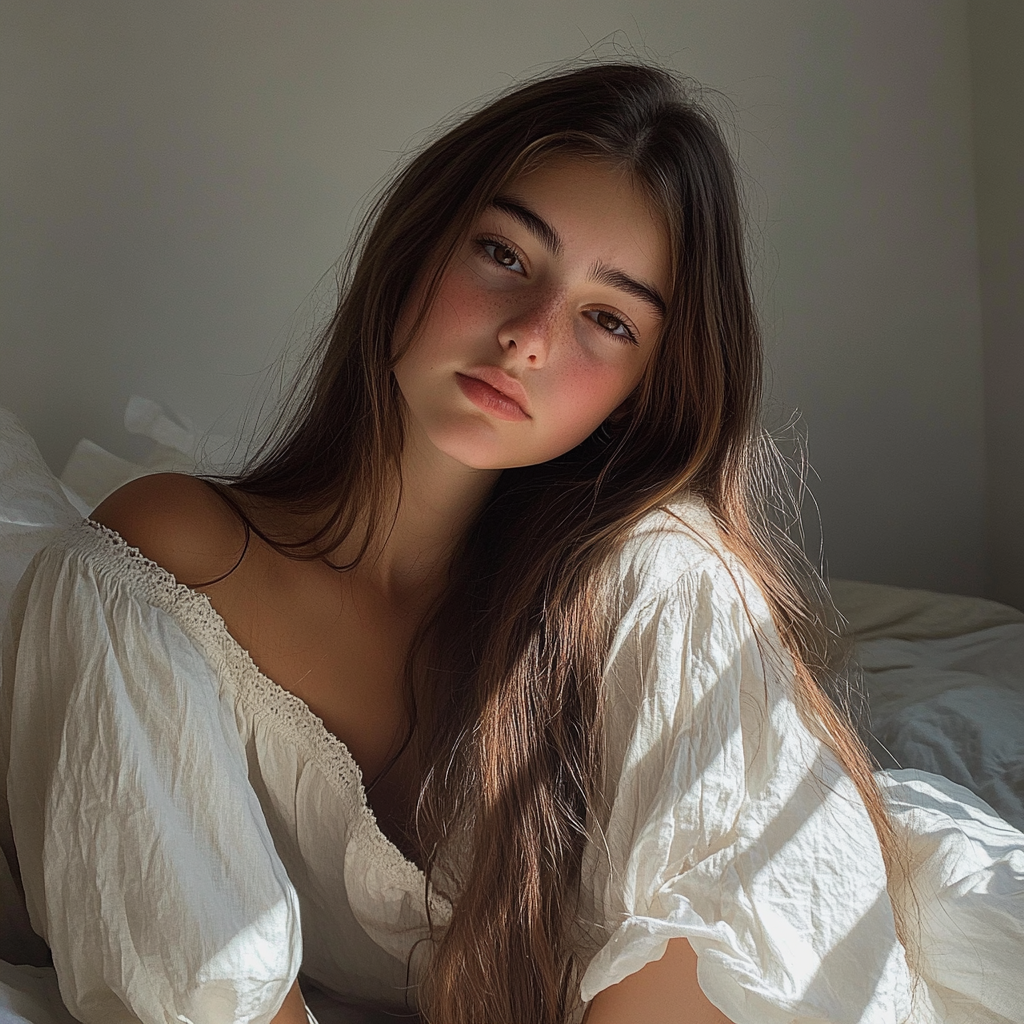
pixel 461 311
pixel 583 393
pixel 594 387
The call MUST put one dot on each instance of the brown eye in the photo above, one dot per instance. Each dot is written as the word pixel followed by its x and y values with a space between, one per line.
pixel 501 254
pixel 612 324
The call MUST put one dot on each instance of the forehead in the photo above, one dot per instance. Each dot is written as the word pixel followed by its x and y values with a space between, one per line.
pixel 598 212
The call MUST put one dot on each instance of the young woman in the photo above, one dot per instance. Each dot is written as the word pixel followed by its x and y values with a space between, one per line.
pixel 486 692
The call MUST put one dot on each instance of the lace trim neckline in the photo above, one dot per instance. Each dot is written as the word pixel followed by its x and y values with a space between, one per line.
pixel 261 694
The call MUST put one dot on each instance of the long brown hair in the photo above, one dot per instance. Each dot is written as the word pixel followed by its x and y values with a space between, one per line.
pixel 505 675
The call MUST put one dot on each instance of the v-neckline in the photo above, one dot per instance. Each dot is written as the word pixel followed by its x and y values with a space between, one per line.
pixel 257 688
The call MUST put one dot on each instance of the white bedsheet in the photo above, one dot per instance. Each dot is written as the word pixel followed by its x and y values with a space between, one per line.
pixel 955 707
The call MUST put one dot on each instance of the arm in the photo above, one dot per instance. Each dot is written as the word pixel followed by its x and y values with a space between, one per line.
pixel 152 874
pixel 663 992
pixel 293 1009
pixel 732 826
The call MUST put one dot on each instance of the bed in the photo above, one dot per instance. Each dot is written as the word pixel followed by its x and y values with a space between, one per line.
pixel 943 674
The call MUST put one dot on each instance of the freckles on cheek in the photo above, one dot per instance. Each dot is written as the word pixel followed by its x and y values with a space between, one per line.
pixel 460 309
pixel 593 386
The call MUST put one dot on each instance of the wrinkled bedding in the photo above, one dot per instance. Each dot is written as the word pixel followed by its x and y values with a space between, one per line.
pixel 944 676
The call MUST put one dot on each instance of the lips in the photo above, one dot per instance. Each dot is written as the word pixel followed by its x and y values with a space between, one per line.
pixel 503 382
pixel 495 392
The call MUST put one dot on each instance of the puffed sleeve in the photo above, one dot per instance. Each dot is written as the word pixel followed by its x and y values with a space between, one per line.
pixel 728 823
pixel 147 864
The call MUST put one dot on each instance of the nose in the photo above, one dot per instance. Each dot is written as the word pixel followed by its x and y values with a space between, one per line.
pixel 529 332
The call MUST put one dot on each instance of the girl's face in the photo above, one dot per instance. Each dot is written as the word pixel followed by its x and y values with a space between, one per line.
pixel 544 320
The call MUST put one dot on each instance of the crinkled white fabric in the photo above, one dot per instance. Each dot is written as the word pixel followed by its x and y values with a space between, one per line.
pixel 34 509
pixel 726 811
pixel 185 797
pixel 186 830
pixel 967 866
pixel 147 864
pixel 733 826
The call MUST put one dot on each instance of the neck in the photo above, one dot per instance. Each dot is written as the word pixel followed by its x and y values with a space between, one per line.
pixel 439 499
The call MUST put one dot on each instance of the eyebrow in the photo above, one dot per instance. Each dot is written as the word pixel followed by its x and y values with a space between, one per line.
pixel 547 235
pixel 551 241
pixel 617 279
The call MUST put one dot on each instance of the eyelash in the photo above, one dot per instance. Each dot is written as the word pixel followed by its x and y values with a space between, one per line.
pixel 484 243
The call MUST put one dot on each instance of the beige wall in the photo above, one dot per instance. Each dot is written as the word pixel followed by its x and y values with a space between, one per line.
pixel 179 176
pixel 997 44
pixel 877 331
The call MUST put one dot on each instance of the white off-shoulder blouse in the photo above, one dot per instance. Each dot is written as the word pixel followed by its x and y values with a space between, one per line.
pixel 190 837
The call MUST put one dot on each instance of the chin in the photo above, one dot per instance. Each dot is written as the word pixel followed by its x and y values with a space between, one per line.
pixel 475 452
pixel 479 446
pixel 482 460
pixel 493 457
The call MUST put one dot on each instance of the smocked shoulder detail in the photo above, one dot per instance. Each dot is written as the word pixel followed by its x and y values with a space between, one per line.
pixel 112 558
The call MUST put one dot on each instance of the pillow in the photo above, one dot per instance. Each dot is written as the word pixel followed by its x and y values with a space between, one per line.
pixel 34 507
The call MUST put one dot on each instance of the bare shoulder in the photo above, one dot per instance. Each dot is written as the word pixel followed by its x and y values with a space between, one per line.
pixel 177 521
